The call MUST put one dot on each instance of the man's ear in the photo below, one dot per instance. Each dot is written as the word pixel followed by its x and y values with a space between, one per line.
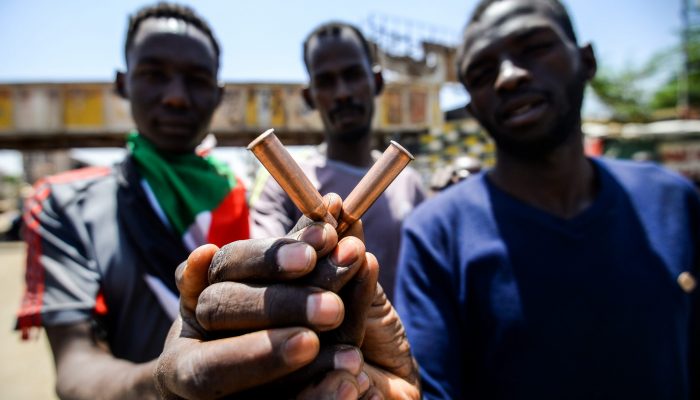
pixel 588 61
pixel 120 85
pixel 306 94
pixel 378 80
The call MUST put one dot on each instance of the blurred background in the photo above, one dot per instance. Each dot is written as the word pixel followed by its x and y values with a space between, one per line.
pixel 58 110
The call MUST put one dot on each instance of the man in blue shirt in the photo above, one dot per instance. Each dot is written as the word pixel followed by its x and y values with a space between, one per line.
pixel 552 275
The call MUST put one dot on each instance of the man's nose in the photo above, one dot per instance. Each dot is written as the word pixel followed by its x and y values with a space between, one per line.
pixel 510 75
pixel 342 90
pixel 176 94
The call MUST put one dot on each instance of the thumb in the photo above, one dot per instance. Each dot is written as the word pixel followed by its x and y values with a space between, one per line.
pixel 192 277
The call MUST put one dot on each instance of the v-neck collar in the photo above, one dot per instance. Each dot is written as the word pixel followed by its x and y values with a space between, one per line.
pixel 519 209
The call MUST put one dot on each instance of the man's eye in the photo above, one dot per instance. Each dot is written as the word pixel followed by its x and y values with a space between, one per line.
pixel 538 48
pixel 480 77
pixel 151 73
pixel 323 81
pixel 354 73
pixel 201 79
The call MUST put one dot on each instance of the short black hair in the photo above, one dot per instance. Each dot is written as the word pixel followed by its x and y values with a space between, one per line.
pixel 168 10
pixel 558 9
pixel 561 15
pixel 335 28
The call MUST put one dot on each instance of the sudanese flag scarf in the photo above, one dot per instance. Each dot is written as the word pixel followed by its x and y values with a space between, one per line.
pixel 199 197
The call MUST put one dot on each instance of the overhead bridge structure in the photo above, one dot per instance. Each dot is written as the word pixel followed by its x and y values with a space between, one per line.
pixel 48 116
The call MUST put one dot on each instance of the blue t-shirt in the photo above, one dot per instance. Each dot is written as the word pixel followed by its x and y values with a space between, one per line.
pixel 502 300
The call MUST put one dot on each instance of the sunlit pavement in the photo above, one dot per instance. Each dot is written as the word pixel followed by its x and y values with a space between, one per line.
pixel 26 369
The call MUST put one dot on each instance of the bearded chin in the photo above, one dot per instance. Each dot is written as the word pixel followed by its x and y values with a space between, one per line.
pixel 353 135
pixel 565 128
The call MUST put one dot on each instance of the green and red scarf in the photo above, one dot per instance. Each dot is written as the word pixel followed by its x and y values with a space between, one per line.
pixel 201 198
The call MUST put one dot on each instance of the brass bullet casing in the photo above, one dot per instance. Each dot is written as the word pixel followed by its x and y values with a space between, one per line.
pixel 394 159
pixel 280 164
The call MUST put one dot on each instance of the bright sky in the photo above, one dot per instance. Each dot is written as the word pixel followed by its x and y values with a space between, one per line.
pixel 81 40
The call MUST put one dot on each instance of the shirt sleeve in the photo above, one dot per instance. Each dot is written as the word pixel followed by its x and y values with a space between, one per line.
pixel 272 212
pixel 62 281
pixel 426 302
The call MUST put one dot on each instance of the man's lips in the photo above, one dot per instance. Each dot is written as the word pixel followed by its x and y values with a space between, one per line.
pixel 176 124
pixel 347 113
pixel 523 110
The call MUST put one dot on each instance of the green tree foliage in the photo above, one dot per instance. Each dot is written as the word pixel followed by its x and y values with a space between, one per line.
pixel 667 95
pixel 637 94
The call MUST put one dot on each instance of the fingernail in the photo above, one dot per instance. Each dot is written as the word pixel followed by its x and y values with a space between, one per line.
pixel 363 382
pixel 315 235
pixel 345 253
pixel 301 348
pixel 295 257
pixel 375 397
pixel 347 391
pixel 324 309
pixel 348 360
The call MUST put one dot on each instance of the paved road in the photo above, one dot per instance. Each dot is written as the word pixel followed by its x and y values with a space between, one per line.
pixel 26 369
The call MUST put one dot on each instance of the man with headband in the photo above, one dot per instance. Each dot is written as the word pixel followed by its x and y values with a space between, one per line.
pixel 103 243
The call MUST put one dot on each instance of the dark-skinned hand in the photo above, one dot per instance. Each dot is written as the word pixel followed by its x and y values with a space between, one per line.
pixel 270 317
